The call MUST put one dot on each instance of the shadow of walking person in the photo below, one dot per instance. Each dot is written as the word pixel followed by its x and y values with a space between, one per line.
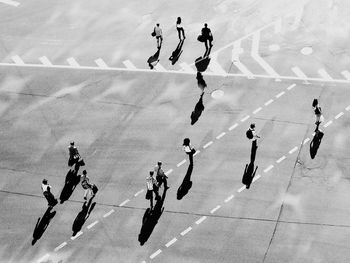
pixel 175 55
pixel 249 173
pixel 253 151
pixel 315 143
pixel 154 59
pixel 42 224
pixel 200 81
pixel 83 215
pixel 198 109
pixel 72 180
pixel 186 184
pixel 202 63
pixel 150 219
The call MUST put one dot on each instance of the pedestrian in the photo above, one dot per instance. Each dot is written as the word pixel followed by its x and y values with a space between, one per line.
pixel 73 154
pixel 207 36
pixel 89 188
pixel 160 176
pixel 159 35
pixel 318 113
pixel 51 200
pixel 152 186
pixel 180 29
pixel 251 135
pixel 188 149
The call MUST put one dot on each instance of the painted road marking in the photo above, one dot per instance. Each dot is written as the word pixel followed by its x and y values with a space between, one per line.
pixel 339 115
pixel 77 235
pixel 268 168
pixel 181 163
pixel 160 68
pixel 72 62
pixel 197 152
pixel 299 73
pixel 291 86
pixel 186 231
pixel 92 224
pixel 229 198
pixel 208 144
pixel 281 159
pixel 268 102
pixel 241 189
pixel 348 108
pixel 306 140
pixel 124 202
pixel 324 74
pixel 17 60
pixel 233 126
pixel 169 172
pixel 128 64
pixel 216 68
pixel 60 246
pixel 257 110
pixel 293 150
pixel 187 68
pixel 45 61
pixel 171 242
pixel 220 135
pixel 155 254
pixel 44 258
pixel 215 209
pixel 328 123
pixel 109 213
pixel 245 118
pixel 10 2
pixel 280 94
pixel 139 192
pixel 346 74
pixel 200 220
pixel 101 63
pixel 256 178
pixel 236 51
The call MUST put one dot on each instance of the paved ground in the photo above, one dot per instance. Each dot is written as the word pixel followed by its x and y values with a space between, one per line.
pixel 77 71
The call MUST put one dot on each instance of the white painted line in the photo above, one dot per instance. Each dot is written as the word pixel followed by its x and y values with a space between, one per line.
pixel 128 64
pixel 169 172
pixel 243 69
pixel 346 74
pixel 268 102
pixel 215 209
pixel 45 61
pixel 187 68
pixel 280 94
pixel 268 168
pixel 109 213
pixel 306 140
pixel 155 254
pixel 324 74
pixel 139 192
pixel 241 189
pixel 77 235
pixel 186 231
pixel 159 67
pixel 92 224
pixel 208 144
pixel 10 2
pixel 229 198
pixel 293 150
pixel 339 115
pixel 216 68
pixel 257 110
pixel 257 177
pixel 245 118
pixel 233 126
pixel 197 152
pixel 171 242
pixel 18 60
pixel 101 63
pixel 44 258
pixel 72 62
pixel 60 246
pixel 281 159
pixel 291 86
pixel 220 135
pixel 348 108
pixel 297 71
pixel 328 123
pixel 200 220
pixel 181 163
pixel 313 134
pixel 124 202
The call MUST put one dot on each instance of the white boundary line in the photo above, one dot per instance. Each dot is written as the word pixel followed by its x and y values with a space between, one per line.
pixel 200 220
pixel 155 254
pixel 92 224
pixel 124 202
pixel 181 163
pixel 215 209
pixel 186 231
pixel 229 198
pixel 268 168
pixel 60 246
pixel 77 235
pixel 281 159
pixel 220 135
pixel 233 127
pixel 171 242
pixel 109 213
pixel 208 144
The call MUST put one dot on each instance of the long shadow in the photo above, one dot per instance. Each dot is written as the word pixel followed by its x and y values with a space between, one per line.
pixel 186 184
pixel 150 220
pixel 198 109
pixel 315 143
pixel 154 59
pixel 42 224
pixel 202 63
pixel 175 55
pixel 253 151
pixel 200 81
pixel 249 173
pixel 83 215
pixel 72 180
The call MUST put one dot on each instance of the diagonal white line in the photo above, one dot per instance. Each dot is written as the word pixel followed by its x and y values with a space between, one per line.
pixel 229 198
pixel 10 2
pixel 60 246
pixel 328 123
pixel 124 202
pixel 293 150
pixel 268 168
pixel 77 235
pixel 171 242
pixel 139 192
pixel 155 254
pixel 306 140
pixel 280 94
pixel 215 209
pixel 181 163
pixel 208 144
pixel 200 220
pixel 339 115
pixel 72 62
pixel 186 231
pixel 257 177
pixel 241 189
pixel 281 159
pixel 109 213
pixel 92 224
pixel 257 110
pixel 44 258
pixel 220 135
pixel 169 171
pixel 268 102
pixel 233 126
pixel 245 118
pixel 101 63
pixel 45 61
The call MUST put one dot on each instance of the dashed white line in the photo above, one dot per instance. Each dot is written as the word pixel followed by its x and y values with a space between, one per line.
pixel 197 152
pixel 10 2
pixel 155 254
pixel 241 189
pixel 128 64
pixel 245 118
pixel 233 126
pixel 77 235
pixel 215 209
pixel 181 163
pixel 328 123
pixel 208 144
pixel 339 115
pixel 257 177
pixel 92 224
pixel 72 62
pixel 281 159
pixel 280 94
pixel 186 231
pixel 139 192
pixel 60 246
pixel 200 220
pixel 109 213
pixel 220 135
pixel 268 168
pixel 348 108
pixel 268 102
pixel 324 74
pixel 229 198
pixel 18 60
pixel 171 242
pixel 44 258
pixel 291 86
pixel 124 202
pixel 257 110
pixel 306 140
pixel 45 61
pixel 293 150
pixel 169 171
pixel 101 63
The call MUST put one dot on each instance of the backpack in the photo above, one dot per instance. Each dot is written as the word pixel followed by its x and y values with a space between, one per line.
pixel 249 134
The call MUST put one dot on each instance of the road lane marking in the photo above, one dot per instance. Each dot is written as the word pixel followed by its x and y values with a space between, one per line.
pixel 348 108
pixel 291 86
pixel 208 144
pixel 220 135
pixel 293 150
pixel 215 209
pixel 109 213
pixel 60 246
pixel 197 152
pixel 241 189
pixel 17 60
pixel 328 123
pixel 281 159
pixel 216 68
pixel 233 126
pixel 200 220
pixel 268 102
pixel 268 168
pixel 44 258
pixel 10 2
pixel 169 171
pixel 245 118
pixel 186 231
pixel 297 71
pixel 346 74
pixel 181 163
pixel 92 224
pixel 229 198
pixel 171 242
pixel 280 94
pixel 339 115
pixel 160 68
pixel 155 254
pixel 45 61
pixel 72 62
pixel 324 74
pixel 257 110
pixel 128 64
pixel 306 140
pixel 77 235
pixel 257 177
pixel 99 62
pixel 139 192
pixel 124 202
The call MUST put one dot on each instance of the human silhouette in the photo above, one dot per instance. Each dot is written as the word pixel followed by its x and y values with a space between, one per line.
pixel 154 59
pixel 180 29
pixel 207 36
pixel 158 33
pixel 248 175
pixel 42 224
pixel 72 180
pixel 200 81
pixel 186 183
pixel 202 63
pixel 198 109
pixel 189 150
pixel 315 143
pixel 175 55
pixel 82 216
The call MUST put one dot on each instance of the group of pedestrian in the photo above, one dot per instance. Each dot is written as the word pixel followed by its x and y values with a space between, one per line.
pixel 154 183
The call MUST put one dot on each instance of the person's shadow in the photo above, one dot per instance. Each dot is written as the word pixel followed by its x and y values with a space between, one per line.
pixel 175 55
pixel 83 215
pixel 253 151
pixel 198 109
pixel 42 224
pixel 72 180
pixel 315 143
pixel 186 183
pixel 249 173
pixel 200 81
pixel 150 219
pixel 202 63
pixel 154 59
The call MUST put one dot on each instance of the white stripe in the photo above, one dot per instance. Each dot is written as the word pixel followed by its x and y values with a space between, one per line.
pixel 77 235
pixel 45 61
pixel 216 68
pixel 159 67
pixel 245 118
pixel 169 172
pixel 139 192
pixel 306 140
pixel 229 198
pixel 128 64
pixel 243 69
pixel 71 61
pixel 186 231
pixel 200 220
pixel 109 213
pixel 299 73
pixel 208 144
pixel 101 63
pixel 60 246
pixel 185 67
pixel 10 2
pixel 125 202
pixel 313 134
pixel 18 60
pixel 220 135
pixel 324 74
pixel 268 102
pixel 327 124
pixel 215 209
pixel 155 254
pixel 339 115
pixel 257 110
pixel 291 86
pixel 268 168
pixel 346 74
pixel 233 126
pixel 44 258
pixel 181 163
pixel 280 94
pixel 348 108
pixel 92 224
pixel 281 159
pixel 171 242
pixel 256 178
pixel 197 152
pixel 293 150
pixel 241 189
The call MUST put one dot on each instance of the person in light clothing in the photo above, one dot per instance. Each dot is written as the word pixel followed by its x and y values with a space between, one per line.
pixel 89 188
pixel 188 149
pixel 160 175
pixel 46 188
pixel 159 35
pixel 152 186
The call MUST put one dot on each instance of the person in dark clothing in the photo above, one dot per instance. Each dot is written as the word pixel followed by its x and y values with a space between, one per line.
pixel 180 29
pixel 207 36
pixel 198 109
pixel 188 149
pixel 51 200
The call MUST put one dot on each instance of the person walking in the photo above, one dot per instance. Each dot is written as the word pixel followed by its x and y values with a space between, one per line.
pixel 152 186
pixel 207 36
pixel 159 35
pixel 251 135
pixel 160 175
pixel 46 188
pixel 89 188
pixel 73 154
pixel 180 29
pixel 318 113
pixel 188 149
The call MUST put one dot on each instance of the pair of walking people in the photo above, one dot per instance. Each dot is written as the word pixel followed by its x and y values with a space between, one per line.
pixel 153 184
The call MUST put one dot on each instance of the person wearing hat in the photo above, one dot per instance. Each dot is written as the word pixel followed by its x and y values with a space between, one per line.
pixel 160 175
pixel 73 154
pixel 51 200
